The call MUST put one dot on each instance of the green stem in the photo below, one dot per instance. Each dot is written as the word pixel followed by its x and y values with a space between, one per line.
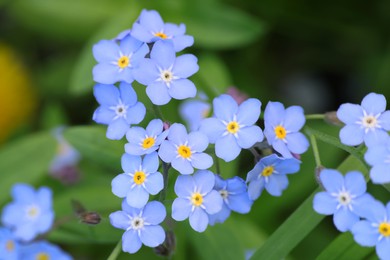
pixel 316 153
pixel 315 116
pixel 115 253
pixel 163 193
pixel 157 112
pixel 216 162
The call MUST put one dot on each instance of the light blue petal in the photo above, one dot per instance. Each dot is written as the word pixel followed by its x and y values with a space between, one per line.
pixel 219 217
pixel 155 127
pixel 249 111
pixel 151 20
pixel 227 148
pixel 204 181
pixel 174 29
pixel 154 213
pixel 158 93
pixel 167 151
pixel 383 249
pixel 225 107
pixel 380 173
pixel 248 136
pixel 376 154
pixel 184 186
pixel 384 120
pixel 351 135
pixel 178 134
pixel 120 219
pixel 294 118
pixel 193 112
pixel 185 66
pixel 103 115
pixel 375 137
pixel 152 236
pixel 274 114
pixel 164 54
pixel 45 197
pixel 130 163
pixel 199 220
pixel 359 206
pixel 137 197
pixel 182 89
pixel 355 183
pixel 219 182
pixel 105 51
pixel 201 161
pixel 128 95
pixel 183 41
pixel 374 103
pixel 364 233
pixel 150 162
pixel 131 243
pixel 126 75
pixel 255 188
pixel 106 95
pixel 236 185
pixel 332 180
pixel 147 72
pixel 281 148
pixel 11 215
pixel 213 128
pixel 182 165
pixel 287 166
pixel 129 45
pixel 25 232
pixel 297 143
pixel 120 185
pixel 22 192
pixel 344 219
pixel 255 172
pixel 117 129
pixel 136 113
pixel 139 32
pixel 198 141
pixel 324 204
pixel 181 209
pixel 105 73
pixel 129 210
pixel 349 113
pixel 276 184
pixel 154 183
pixel 45 222
pixel 240 203
pixel 139 56
pixel 135 135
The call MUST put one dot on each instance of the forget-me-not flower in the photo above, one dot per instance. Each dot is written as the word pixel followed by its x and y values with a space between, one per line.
pixel 378 156
pixel 116 63
pixel 43 250
pixel 9 246
pixel 281 128
pixel 118 109
pixel 270 173
pixel 141 225
pixel 193 112
pixel 30 213
pixel 368 122
pixel 345 197
pixel 235 198
pixel 140 179
pixel 150 28
pixel 374 230
pixel 185 151
pixel 144 141
pixel 165 75
pixel 232 127
pixel 196 199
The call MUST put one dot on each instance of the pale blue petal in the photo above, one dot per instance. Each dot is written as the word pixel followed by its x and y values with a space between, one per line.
pixel 147 72
pixel 236 185
pixel 128 95
pixel 120 185
pixel 219 217
pixel 105 51
pixel 185 66
pixel 178 134
pixel 332 180
pixel 184 186
pixel 297 143
pixel 150 163
pixel 45 222
pixel 274 114
pixel 117 129
pixel 255 188
pixel 376 154
pixel 11 215
pixel 384 120
pixel 248 112
pixel 167 151
pixel 294 118
pixel 213 128
pixel 182 165
pixel 227 148
pixel 174 29
pixel 152 236
pixel 255 172
pixel 344 219
pixel 154 183
pixel 25 232
pixel 106 95
pixel 225 107
pixel 281 148
pixel 374 103
pixel 204 181
pixel 130 163
pixel 359 206
pixel 383 249
pixel 105 73
pixel 103 115
pixel 22 192
pixel 276 184
pixel 164 54
pixel 139 32
pixel 125 75
pixel 248 136
pixel 199 220
pixel 139 56
pixel 131 211
pixel 119 219
pixel 201 161
pixel 154 213
pixel 324 204
pixel 240 203
pixel 137 197
pixel 155 127
pixel 181 209
pixel 182 89
pixel 355 183
pixel 131 243
pixel 198 141
pixel 151 20
pixel 158 93
pixel 349 113
pixel 287 166
pixel 136 113
pixel 129 45
pixel 364 233
pixel 183 41
pixel 380 173
pixel 375 137
pixel 351 135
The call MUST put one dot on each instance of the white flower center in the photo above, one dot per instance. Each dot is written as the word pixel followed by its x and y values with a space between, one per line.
pixel 369 122
pixel 166 76
pixel 224 194
pixel 344 198
pixel 137 223
pixel 32 212
pixel 120 110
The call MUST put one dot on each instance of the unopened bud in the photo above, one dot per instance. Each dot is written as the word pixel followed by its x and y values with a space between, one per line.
pixel 318 171
pixel 166 125
pixel 91 218
pixel 331 118
pixel 237 95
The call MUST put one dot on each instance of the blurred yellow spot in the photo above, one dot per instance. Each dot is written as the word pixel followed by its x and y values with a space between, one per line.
pixel 161 35
pixel 267 171
pixel 139 177
pixel 197 199
pixel 17 98
pixel 42 256
pixel 280 132
pixel 123 62
pixel 184 151
pixel 384 229
pixel 233 127
pixel 10 246
pixel 148 142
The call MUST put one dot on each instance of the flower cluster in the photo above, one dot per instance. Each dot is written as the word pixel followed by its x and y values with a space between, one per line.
pixel 345 197
pixel 147 53
pixel 29 215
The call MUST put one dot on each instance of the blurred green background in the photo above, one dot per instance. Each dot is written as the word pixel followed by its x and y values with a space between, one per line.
pixel 311 53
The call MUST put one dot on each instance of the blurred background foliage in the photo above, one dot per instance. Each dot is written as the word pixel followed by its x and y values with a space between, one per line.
pixel 317 54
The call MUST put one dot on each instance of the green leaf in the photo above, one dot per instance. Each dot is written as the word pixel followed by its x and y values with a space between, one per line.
pixel 26 160
pixel 93 145
pixel 300 223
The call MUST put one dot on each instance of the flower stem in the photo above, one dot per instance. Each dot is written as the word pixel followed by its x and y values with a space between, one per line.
pixel 115 253
pixel 158 112
pixel 316 153
pixel 217 168
pixel 163 193
pixel 315 116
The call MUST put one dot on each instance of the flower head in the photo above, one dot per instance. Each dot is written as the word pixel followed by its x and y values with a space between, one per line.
pixel 367 122
pixel 270 173
pixel 232 127
pixel 282 129
pixel 235 198
pixel 30 214
pixel 141 225
pixel 43 250
pixel 116 63
pixel 145 141
pixel 165 75
pixel 151 28
pixel 140 179
pixel 9 246
pixel 193 112
pixel 196 199
pixel 118 108
pixel 344 197
pixel 185 151
pixel 378 156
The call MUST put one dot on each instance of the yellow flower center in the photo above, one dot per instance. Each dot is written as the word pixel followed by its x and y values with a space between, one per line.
pixel 161 35
pixel 10 246
pixel 280 132
pixel 267 171
pixel 205 113
pixel 384 229
pixel 33 211
pixel 184 151
pixel 197 199
pixel 139 177
pixel 123 62
pixel 233 127
pixel 42 256
pixel 148 142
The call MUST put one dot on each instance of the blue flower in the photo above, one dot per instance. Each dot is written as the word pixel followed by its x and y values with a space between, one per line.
pixel 375 229
pixel 150 28
pixel 43 250
pixel 232 127
pixel 9 247
pixel 196 199
pixel 141 225
pixel 366 122
pixel 185 151
pixel 378 157
pixel 344 197
pixel 140 179
pixel 193 112
pixel 30 214
pixel 235 198
pixel 282 129
pixel 165 75
pixel 143 141
pixel 270 173
pixel 116 63
pixel 118 108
